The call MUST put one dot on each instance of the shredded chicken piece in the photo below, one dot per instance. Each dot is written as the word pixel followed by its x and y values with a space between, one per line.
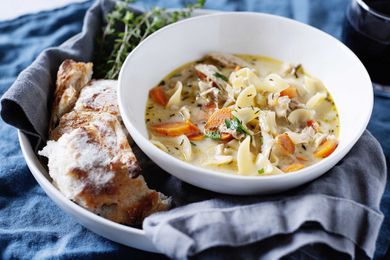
pixel 228 60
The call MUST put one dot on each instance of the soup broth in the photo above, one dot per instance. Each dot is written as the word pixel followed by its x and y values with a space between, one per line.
pixel 243 114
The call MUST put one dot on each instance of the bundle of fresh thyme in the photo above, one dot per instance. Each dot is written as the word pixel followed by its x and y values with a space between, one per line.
pixel 125 29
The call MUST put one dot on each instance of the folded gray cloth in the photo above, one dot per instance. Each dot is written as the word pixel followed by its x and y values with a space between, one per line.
pixel 339 210
pixel 336 215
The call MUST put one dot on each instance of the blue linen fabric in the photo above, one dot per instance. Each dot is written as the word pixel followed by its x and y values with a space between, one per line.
pixel 31 226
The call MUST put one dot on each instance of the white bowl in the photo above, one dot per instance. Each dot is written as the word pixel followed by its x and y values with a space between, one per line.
pixel 247 33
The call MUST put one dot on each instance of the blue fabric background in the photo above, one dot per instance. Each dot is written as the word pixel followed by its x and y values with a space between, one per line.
pixel 31 225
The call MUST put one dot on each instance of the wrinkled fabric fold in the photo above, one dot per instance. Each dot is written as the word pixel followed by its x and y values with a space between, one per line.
pixel 25 104
pixel 344 205
pixel 222 227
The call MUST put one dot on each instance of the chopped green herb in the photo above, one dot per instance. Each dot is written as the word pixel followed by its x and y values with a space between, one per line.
pixel 221 76
pixel 194 144
pixel 213 135
pixel 227 123
pixel 236 124
pixel 297 70
pixel 261 171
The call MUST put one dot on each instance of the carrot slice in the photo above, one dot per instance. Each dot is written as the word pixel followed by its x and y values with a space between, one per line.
pixel 218 118
pixel 226 137
pixel 310 122
pixel 291 92
pixel 302 158
pixel 201 76
pixel 326 149
pixel 284 141
pixel 293 167
pixel 196 137
pixel 313 123
pixel 158 95
pixel 176 128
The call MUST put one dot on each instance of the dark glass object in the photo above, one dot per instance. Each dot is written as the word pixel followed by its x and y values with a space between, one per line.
pixel 366 32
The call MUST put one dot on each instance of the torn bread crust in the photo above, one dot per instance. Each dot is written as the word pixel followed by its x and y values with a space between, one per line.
pixel 99 96
pixel 106 129
pixel 71 78
pixel 94 173
pixel 89 156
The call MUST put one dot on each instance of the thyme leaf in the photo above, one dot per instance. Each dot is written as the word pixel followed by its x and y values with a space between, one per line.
pixel 213 135
pixel 236 124
pixel 221 76
pixel 227 123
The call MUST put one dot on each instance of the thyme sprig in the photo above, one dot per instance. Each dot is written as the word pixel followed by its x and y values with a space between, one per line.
pixel 126 28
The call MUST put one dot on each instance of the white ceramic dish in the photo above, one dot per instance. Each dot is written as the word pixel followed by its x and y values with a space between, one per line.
pixel 247 33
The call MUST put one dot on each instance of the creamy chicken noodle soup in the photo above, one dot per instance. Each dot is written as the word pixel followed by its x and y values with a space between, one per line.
pixel 243 114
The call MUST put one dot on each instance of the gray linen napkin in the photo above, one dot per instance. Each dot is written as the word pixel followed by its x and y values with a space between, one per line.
pixel 337 215
pixel 339 210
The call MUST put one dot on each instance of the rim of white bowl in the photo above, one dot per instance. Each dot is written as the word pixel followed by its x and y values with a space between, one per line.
pixel 145 143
